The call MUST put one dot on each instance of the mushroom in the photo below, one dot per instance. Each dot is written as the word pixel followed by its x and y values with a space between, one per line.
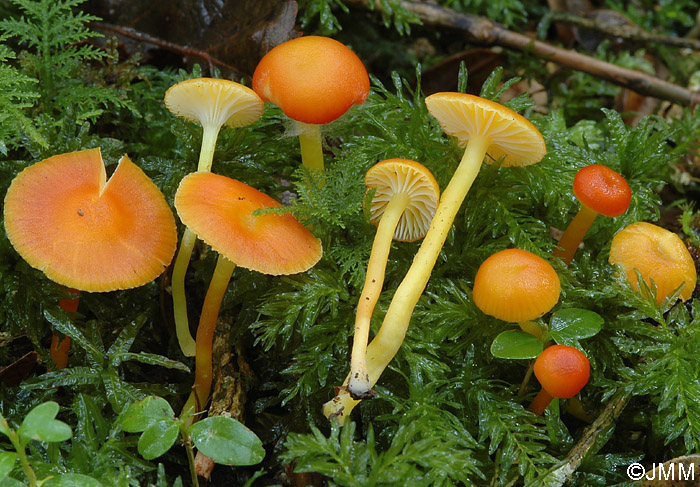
pixel 600 191
pixel 219 210
pixel 482 126
pixel 562 371
pixel 88 233
pixel 314 80
pixel 516 286
pixel 404 202
pixel 212 103
pixel 60 347
pixel 659 255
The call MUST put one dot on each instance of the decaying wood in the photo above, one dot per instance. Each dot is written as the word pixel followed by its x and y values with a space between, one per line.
pixel 483 31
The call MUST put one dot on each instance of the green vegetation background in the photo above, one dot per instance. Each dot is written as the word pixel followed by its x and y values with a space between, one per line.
pixel 447 412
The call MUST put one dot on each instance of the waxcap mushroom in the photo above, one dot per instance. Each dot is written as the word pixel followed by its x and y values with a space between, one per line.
pixel 512 136
pixel 562 371
pixel 395 176
pixel 312 79
pixel 515 285
pixel 602 190
pixel 86 232
pixel 219 210
pixel 659 255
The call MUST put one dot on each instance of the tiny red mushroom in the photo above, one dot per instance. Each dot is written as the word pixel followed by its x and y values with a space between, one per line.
pixel 600 191
pixel 562 371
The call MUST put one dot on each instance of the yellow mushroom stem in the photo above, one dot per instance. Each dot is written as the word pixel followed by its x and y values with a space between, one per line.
pixel 374 280
pixel 574 233
pixel 205 334
pixel 388 341
pixel 311 146
pixel 182 261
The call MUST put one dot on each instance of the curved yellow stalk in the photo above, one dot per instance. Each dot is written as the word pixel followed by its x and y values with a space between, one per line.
pixel 311 146
pixel 574 233
pixel 359 383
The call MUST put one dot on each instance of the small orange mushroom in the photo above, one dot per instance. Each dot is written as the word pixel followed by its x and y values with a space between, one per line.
pixel 562 371
pixel 659 255
pixel 88 233
pixel 516 286
pixel 600 191
pixel 219 210
pixel 314 80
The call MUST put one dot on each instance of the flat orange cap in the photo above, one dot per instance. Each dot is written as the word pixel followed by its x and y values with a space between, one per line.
pixel 658 255
pixel 562 370
pixel 602 190
pixel 65 219
pixel 515 285
pixel 393 177
pixel 220 211
pixel 312 79
pixel 511 136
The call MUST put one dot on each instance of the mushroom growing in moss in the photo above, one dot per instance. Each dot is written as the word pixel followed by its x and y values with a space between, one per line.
pixel 660 256
pixel 314 80
pixel 219 210
pixel 404 202
pixel 482 126
pixel 212 103
pixel 600 191
pixel 88 233
pixel 562 371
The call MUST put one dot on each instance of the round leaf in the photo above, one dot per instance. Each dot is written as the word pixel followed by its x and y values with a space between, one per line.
pixel 516 344
pixel 72 480
pixel 10 482
pixel 227 441
pixel 7 461
pixel 39 424
pixel 142 414
pixel 572 324
pixel 158 438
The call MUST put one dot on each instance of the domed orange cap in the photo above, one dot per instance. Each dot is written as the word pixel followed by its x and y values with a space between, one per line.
pixel 312 79
pixel 220 211
pixel 602 190
pixel 515 285
pixel 65 219
pixel 562 370
pixel 658 255
pixel 396 176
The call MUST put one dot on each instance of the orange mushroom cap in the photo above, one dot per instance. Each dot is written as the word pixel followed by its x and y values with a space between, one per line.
pixel 219 210
pixel 394 176
pixel 312 79
pixel 515 285
pixel 658 255
pixel 562 370
pixel 602 190
pixel 65 219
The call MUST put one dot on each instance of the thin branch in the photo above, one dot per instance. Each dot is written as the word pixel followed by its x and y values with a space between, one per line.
pixel 628 32
pixel 486 32
pixel 170 46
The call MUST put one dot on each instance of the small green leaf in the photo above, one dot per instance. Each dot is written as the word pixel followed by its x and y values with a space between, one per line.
pixel 573 324
pixel 40 424
pixel 10 482
pixel 142 414
pixel 72 480
pixel 4 426
pixel 7 461
pixel 516 344
pixel 227 441
pixel 158 438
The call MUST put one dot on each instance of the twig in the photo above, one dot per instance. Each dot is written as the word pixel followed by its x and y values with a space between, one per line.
pixel 483 31
pixel 170 46
pixel 607 419
pixel 627 32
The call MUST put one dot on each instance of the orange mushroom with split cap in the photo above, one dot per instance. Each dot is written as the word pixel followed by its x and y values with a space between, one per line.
pixel 85 232
pixel 212 103
pixel 600 191
pixel 314 80
pixel 660 256
pixel 220 211
pixel 405 199
pixel 562 371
